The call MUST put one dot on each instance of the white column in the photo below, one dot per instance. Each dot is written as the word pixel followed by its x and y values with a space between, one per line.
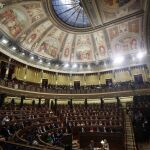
pixel 7 68
pixel 25 76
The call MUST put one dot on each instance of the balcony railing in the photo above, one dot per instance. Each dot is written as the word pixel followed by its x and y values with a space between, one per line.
pixel 60 89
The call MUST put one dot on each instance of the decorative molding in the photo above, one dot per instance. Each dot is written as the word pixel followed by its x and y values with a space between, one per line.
pixel 28 62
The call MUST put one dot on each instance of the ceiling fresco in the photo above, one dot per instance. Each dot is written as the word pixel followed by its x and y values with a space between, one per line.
pixel 16 18
pixel 101 46
pixel 113 9
pixel 83 49
pixel 30 39
pixel 28 24
pixel 67 50
pixel 126 37
pixel 50 45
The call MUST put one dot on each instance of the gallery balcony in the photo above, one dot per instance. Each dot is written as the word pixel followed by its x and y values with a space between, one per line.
pixel 58 91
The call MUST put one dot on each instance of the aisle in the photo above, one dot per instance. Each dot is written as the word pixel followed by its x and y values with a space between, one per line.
pixel 129 134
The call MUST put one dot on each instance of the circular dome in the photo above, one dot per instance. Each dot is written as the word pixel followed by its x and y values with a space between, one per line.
pixel 71 12
pixel 73 31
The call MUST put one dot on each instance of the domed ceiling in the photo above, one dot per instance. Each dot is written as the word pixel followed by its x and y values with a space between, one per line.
pixel 77 31
pixel 71 12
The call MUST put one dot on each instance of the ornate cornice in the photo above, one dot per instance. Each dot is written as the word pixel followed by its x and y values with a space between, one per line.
pixel 34 64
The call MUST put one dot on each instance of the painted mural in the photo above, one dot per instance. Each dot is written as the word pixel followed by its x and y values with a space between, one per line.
pixel 26 23
pixel 67 50
pixel 35 11
pixel 113 9
pixel 101 46
pixel 126 37
pixel 35 34
pixel 18 17
pixel 13 21
pixel 50 44
pixel 83 49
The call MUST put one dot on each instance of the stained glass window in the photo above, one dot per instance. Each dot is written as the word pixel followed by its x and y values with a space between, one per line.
pixel 71 12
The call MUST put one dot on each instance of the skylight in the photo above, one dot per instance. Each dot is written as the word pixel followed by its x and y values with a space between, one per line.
pixel 71 12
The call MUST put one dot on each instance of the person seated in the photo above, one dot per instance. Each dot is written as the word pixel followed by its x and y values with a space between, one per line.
pixel 92 123
pixel 5 132
pixel 91 130
pixel 100 123
pixel 70 124
pixel 13 128
pixel 40 130
pixel 52 125
pixel 97 129
pixel 49 138
pixel 78 124
pixel 104 129
pixel 110 122
pixel 91 145
pixel 12 118
pixel 5 120
pixel 35 142
pixel 106 145
pixel 82 123
pixel 29 117
pixel 87 123
pixel 44 129
pixel 32 117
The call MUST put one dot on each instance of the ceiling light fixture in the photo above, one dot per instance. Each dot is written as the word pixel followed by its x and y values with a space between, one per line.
pixel 81 66
pixel 4 40
pixel 57 65
pixel 140 55
pixel 118 60
pixel 22 53
pixel 32 57
pixel 13 48
pixel 48 63
pixel 40 61
pixel 89 66
pixel 66 65
pixel 105 64
pixel 74 66
pixel 133 58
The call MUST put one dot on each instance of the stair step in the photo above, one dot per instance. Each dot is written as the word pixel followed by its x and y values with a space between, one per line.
pixel 129 134
pixel 131 140
pixel 130 143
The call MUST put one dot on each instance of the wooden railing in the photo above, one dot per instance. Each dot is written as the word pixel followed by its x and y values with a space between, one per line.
pixel 13 145
pixel 41 144
pixel 9 87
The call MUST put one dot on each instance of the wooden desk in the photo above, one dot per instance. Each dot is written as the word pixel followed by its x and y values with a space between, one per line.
pixel 115 140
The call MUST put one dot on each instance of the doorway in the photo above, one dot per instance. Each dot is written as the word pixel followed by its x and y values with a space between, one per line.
pixel 45 83
pixel 109 82
pixel 138 79
pixel 77 85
